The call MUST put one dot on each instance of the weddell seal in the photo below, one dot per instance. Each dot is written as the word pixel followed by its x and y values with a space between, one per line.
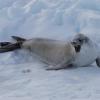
pixel 81 51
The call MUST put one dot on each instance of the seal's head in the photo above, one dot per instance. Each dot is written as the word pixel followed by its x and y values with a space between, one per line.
pixel 79 40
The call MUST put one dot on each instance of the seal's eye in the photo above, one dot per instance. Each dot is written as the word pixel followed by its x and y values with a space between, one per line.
pixel 80 41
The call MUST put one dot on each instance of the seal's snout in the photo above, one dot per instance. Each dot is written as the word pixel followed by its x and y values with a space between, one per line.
pixel 78 41
pixel 77 46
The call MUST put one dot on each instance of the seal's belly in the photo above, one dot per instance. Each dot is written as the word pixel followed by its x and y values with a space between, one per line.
pixel 86 56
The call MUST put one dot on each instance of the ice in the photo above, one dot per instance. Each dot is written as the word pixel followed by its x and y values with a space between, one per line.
pixel 22 77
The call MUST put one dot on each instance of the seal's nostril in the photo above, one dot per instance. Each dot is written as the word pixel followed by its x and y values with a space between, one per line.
pixel 74 43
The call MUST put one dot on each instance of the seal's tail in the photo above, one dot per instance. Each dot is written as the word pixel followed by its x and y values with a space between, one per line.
pixel 8 46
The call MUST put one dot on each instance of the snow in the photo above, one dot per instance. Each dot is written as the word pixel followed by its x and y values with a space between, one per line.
pixel 22 77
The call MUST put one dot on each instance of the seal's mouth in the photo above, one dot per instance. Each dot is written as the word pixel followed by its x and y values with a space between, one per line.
pixel 77 46
pixel 79 41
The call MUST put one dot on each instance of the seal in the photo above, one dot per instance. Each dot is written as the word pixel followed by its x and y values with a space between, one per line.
pixel 55 53
pixel 79 52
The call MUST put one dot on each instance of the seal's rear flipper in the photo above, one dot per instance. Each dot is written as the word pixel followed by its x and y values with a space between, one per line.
pixel 7 46
pixel 98 62
pixel 10 47
pixel 18 39
pixel 4 43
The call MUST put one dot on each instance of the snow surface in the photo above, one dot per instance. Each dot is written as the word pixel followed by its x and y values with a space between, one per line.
pixel 22 77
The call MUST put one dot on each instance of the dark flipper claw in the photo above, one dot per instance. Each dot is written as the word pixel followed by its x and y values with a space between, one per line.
pixel 98 62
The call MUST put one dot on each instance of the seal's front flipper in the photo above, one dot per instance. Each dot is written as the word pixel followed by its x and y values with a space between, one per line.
pixel 18 39
pixel 98 61
pixel 59 67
